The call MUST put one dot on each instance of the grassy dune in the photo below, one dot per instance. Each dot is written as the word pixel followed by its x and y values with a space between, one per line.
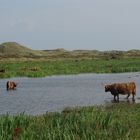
pixel 13 50
pixel 45 68
pixel 119 121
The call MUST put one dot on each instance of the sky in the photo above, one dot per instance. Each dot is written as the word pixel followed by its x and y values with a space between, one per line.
pixel 71 24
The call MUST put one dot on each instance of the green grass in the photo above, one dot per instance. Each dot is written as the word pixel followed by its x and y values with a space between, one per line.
pixel 45 68
pixel 118 121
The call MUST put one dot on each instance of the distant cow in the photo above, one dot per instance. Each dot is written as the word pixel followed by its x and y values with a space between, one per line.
pixel 11 85
pixel 122 88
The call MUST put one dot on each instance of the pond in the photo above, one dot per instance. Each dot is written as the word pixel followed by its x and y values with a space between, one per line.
pixel 40 95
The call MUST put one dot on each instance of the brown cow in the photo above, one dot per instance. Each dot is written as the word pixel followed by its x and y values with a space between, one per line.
pixel 11 85
pixel 122 88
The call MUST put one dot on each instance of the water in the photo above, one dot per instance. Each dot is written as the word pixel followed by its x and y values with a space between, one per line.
pixel 40 95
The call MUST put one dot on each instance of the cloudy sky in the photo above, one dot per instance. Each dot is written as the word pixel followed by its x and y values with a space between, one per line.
pixel 71 24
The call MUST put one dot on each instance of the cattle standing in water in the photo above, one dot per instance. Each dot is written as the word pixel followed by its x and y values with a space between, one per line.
pixel 122 88
pixel 11 85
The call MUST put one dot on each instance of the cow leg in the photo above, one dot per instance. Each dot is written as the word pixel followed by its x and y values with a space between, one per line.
pixel 127 96
pixel 114 97
pixel 118 97
pixel 133 97
pixel 133 93
pixel 7 85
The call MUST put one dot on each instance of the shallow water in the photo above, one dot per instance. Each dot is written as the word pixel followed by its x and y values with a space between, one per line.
pixel 40 95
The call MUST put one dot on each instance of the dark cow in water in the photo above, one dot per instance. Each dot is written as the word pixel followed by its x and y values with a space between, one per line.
pixel 122 88
pixel 11 85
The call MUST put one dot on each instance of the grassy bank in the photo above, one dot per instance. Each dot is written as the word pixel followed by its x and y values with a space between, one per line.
pixel 119 121
pixel 45 68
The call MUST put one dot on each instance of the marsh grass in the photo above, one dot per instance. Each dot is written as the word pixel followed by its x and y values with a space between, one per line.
pixel 45 68
pixel 118 121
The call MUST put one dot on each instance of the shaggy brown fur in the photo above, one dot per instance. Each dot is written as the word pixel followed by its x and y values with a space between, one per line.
pixel 122 88
pixel 11 85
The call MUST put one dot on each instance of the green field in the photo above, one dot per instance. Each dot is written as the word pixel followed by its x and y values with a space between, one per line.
pixel 61 67
pixel 117 122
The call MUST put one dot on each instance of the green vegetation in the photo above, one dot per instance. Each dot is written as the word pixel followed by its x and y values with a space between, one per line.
pixel 45 68
pixel 119 121
pixel 17 60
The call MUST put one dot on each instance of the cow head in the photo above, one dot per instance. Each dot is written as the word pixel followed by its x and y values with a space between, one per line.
pixel 107 88
pixel 15 84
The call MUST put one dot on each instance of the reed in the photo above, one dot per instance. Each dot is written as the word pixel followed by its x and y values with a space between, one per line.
pixel 118 121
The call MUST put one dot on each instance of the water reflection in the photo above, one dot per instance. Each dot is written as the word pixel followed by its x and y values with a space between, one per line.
pixel 122 101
